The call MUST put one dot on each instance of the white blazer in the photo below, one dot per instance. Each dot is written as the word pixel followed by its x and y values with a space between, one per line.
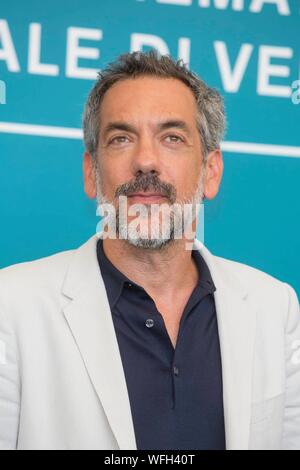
pixel 62 385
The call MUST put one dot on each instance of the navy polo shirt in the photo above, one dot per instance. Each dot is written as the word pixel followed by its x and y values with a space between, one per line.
pixel 175 394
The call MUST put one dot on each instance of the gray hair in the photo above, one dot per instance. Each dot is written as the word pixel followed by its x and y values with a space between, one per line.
pixel 210 119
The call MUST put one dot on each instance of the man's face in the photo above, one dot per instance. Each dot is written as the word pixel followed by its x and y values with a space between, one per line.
pixel 149 143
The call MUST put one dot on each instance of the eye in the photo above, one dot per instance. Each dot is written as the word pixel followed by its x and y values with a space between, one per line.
pixel 118 139
pixel 174 138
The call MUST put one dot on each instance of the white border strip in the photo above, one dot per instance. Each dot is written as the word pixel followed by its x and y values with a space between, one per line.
pixel 42 131
pixel 261 149
pixel 73 133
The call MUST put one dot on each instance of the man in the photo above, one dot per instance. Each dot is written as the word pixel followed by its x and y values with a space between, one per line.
pixel 136 341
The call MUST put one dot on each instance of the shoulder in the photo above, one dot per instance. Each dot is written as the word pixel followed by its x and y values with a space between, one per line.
pixel 250 275
pixel 32 279
pixel 261 286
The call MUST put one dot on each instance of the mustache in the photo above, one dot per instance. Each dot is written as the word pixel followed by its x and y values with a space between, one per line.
pixel 147 182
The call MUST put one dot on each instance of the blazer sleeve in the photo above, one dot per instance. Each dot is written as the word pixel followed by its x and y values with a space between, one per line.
pixel 291 428
pixel 9 385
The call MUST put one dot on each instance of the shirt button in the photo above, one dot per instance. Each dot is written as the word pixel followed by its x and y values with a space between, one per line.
pixel 176 371
pixel 149 323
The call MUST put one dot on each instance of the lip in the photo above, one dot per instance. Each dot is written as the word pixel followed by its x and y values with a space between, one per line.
pixel 146 197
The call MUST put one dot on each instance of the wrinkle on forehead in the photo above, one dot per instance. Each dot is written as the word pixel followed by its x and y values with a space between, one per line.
pixel 148 98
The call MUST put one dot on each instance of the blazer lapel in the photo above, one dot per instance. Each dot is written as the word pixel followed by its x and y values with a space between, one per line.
pixel 236 321
pixel 89 317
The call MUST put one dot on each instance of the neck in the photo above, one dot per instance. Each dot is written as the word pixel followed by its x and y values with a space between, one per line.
pixel 164 272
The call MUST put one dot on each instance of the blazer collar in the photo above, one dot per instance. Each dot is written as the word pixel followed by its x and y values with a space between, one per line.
pixel 89 317
pixel 236 314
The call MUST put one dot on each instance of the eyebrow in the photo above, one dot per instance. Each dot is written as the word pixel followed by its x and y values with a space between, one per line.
pixel 161 126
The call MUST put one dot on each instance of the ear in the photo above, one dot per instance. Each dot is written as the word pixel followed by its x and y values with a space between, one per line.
pixel 89 176
pixel 213 174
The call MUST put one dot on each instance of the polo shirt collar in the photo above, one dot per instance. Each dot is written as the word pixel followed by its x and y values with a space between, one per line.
pixel 116 279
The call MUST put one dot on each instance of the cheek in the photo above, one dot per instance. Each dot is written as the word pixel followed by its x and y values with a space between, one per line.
pixel 185 178
pixel 112 177
pixel 188 183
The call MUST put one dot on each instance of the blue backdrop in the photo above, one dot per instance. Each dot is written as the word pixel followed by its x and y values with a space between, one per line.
pixel 249 50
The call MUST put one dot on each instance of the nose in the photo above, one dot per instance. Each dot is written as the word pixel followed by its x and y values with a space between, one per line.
pixel 145 158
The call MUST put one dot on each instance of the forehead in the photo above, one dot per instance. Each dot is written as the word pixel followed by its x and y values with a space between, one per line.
pixel 148 98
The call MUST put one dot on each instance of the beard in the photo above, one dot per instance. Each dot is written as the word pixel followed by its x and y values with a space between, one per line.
pixel 169 222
